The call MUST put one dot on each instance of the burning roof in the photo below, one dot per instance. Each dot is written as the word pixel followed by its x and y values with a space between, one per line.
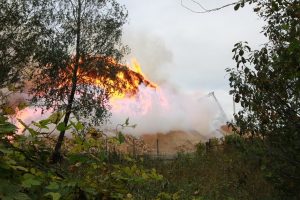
pixel 180 118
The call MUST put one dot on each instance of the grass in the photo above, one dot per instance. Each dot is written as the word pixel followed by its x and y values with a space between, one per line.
pixel 221 173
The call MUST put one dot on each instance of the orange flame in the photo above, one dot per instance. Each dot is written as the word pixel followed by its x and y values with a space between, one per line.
pixel 118 80
pixel 138 94
pixel 130 91
pixel 125 83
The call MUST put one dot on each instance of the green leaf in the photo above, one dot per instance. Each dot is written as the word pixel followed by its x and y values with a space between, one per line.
pixel 20 168
pixel 121 138
pixel 54 195
pixel 244 60
pixel 241 52
pixel 237 6
pixel 3 118
pixel 79 126
pixel 7 127
pixel 75 158
pixel 22 105
pixel 237 98
pixel 21 196
pixel 52 186
pixel 45 122
pixel 127 122
pixel 145 176
pixel 256 9
pixel 31 131
pixel 236 58
pixel 30 180
pixel 56 117
pixel 61 126
pixel 39 125
pixel 90 190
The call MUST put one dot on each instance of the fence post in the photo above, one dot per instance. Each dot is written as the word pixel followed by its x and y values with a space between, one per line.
pixel 133 149
pixel 157 148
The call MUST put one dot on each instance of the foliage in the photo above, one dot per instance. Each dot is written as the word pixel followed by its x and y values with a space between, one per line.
pixel 68 52
pixel 233 169
pixel 84 173
pixel 266 84
pixel 83 42
pixel 19 33
pixel 6 127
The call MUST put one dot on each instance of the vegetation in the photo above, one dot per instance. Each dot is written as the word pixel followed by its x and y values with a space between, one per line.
pixel 266 83
pixel 61 43
pixel 16 44
pixel 84 173
pixel 61 48
pixel 229 169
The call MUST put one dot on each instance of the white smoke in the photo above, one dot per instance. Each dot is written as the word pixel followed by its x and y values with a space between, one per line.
pixel 185 111
pixel 168 110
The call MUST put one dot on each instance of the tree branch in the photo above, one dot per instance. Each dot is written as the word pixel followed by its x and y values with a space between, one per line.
pixel 204 10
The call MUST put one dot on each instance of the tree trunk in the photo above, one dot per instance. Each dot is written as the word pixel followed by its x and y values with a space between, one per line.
pixel 56 156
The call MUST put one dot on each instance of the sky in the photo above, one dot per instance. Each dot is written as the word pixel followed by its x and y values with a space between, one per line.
pixel 189 51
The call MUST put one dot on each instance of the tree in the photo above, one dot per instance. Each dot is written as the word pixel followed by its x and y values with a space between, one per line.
pixel 74 62
pixel 19 31
pixel 266 83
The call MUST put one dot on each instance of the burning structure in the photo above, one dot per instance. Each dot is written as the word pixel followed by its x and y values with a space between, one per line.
pixel 168 120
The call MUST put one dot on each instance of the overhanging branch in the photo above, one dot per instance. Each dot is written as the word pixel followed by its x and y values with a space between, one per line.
pixel 204 10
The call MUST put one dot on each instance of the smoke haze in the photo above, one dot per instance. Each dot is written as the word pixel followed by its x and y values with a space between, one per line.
pixel 168 110
pixel 151 52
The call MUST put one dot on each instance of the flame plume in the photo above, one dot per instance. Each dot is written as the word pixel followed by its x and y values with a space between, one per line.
pixel 131 92
pixel 121 81
pixel 100 73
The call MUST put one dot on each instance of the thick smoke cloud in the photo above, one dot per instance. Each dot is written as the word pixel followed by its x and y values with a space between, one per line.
pixel 168 110
pixel 184 111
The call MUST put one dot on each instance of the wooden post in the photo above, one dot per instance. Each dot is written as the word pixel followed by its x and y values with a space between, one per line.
pixel 106 146
pixel 133 148
pixel 157 147
pixel 107 150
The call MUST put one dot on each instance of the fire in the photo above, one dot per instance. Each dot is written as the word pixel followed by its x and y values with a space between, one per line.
pixel 118 80
pixel 138 93
pixel 154 108
pixel 122 84
pixel 129 88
